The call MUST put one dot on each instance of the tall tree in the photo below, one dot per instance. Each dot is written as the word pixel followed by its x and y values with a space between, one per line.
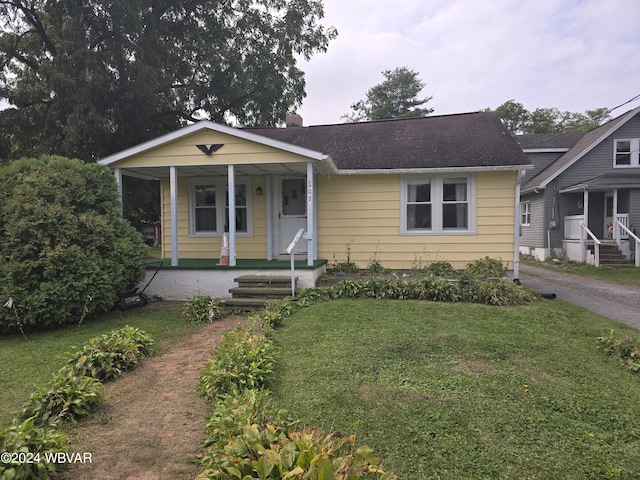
pixel 395 97
pixel 519 120
pixel 85 78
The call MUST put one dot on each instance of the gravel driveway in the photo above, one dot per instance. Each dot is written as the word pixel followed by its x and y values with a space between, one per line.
pixel 618 302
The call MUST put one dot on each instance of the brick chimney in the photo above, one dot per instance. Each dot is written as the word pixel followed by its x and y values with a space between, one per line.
pixel 294 120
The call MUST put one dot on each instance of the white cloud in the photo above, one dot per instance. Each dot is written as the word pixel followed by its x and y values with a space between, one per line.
pixel 570 54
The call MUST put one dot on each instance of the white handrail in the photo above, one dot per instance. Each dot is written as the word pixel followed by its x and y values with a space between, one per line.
pixel 596 242
pixel 632 235
pixel 291 254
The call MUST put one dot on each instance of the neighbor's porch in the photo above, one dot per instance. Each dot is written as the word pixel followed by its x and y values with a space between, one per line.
pixel 602 234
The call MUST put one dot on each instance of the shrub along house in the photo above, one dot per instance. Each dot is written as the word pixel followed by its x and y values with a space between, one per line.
pixel 582 199
pixel 405 192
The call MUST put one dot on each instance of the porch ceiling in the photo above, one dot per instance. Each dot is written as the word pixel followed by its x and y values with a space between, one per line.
pixel 159 173
pixel 605 183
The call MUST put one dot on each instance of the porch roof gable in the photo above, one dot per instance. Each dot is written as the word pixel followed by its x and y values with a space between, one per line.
pixel 204 125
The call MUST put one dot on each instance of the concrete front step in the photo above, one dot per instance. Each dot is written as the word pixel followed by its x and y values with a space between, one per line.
pixel 255 291
pixel 247 303
pixel 263 281
pixel 266 292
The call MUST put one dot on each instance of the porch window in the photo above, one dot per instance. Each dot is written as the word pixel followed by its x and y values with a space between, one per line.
pixel 626 153
pixel 438 205
pixel 242 219
pixel 207 217
pixel 525 214
pixel 205 208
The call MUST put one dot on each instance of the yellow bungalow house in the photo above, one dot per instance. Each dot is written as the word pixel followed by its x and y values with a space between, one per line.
pixel 441 188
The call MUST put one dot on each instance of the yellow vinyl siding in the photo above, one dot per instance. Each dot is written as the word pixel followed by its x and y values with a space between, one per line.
pixel 183 152
pixel 254 246
pixel 362 213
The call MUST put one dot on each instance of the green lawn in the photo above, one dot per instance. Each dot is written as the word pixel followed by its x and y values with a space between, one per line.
pixel 26 363
pixel 460 391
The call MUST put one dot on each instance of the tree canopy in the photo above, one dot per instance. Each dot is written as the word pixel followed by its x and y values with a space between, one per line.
pixel 395 97
pixel 88 78
pixel 519 120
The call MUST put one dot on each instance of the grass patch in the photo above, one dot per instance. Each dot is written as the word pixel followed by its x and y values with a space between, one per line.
pixel 26 364
pixel 620 276
pixel 465 391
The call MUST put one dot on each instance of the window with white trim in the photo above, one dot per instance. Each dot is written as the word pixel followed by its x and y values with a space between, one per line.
pixel 525 214
pixel 625 153
pixel 207 217
pixel 439 204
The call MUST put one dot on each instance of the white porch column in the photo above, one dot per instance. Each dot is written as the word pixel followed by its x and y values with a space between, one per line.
pixel 585 201
pixel 231 180
pixel 616 230
pixel 173 190
pixel 311 217
pixel 118 174
pixel 270 189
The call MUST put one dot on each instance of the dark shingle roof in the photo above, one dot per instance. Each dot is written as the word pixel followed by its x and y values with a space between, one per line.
pixel 463 140
pixel 548 140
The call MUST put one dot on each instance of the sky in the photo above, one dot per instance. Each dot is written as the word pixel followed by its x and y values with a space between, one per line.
pixel 574 55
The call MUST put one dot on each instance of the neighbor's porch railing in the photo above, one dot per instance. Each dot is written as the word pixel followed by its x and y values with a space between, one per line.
pixel 572 226
pixel 622 227
pixel 630 234
pixel 291 254
pixel 596 242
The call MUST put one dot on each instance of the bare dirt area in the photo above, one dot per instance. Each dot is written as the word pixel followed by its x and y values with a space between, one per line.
pixel 152 420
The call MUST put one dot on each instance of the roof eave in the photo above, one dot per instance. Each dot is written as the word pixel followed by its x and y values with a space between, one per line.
pixel 397 171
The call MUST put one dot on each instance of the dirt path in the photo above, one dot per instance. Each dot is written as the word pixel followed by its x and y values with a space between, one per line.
pixel 152 419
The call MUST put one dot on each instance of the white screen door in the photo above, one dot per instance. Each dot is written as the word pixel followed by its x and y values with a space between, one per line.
pixel 293 212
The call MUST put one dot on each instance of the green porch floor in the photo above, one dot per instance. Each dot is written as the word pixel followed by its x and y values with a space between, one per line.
pixel 241 264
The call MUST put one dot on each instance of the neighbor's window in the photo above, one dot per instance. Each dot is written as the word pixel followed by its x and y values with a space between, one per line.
pixel 626 153
pixel 206 198
pixel 525 214
pixel 623 152
pixel 437 204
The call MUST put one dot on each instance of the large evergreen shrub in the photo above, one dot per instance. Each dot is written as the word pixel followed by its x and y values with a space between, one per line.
pixel 65 251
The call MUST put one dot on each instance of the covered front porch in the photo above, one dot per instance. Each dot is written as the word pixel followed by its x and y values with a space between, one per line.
pixel 605 220
pixel 231 201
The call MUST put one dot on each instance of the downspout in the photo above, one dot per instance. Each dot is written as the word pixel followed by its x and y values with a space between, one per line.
pixel 516 231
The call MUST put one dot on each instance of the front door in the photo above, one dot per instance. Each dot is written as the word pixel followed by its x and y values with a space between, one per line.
pixel 608 215
pixel 293 212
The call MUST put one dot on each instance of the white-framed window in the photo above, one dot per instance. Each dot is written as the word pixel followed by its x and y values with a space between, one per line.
pixel 525 214
pixel 625 152
pixel 438 204
pixel 209 206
